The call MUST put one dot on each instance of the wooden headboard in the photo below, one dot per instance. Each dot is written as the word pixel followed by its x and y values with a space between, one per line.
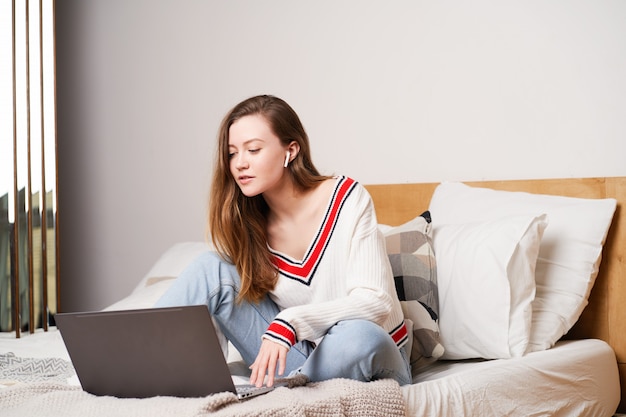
pixel 605 315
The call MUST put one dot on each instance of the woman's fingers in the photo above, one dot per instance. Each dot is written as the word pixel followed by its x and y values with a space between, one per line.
pixel 270 356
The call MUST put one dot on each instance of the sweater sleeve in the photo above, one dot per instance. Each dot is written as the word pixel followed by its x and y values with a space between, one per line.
pixel 367 275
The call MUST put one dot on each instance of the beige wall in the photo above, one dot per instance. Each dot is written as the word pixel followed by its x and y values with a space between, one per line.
pixel 402 91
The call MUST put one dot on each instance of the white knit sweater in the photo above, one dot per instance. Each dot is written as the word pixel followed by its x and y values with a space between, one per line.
pixel 345 274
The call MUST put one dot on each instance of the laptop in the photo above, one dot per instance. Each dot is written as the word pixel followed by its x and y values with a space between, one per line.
pixel 171 351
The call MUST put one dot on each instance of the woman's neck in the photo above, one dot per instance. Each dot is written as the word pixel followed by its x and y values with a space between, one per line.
pixel 286 202
pixel 294 218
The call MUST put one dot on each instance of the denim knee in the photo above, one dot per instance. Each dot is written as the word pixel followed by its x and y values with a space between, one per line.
pixel 363 338
pixel 360 350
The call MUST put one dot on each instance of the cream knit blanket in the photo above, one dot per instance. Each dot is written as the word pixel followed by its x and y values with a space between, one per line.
pixel 337 397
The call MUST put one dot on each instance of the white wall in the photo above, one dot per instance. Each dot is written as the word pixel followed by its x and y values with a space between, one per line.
pixel 400 91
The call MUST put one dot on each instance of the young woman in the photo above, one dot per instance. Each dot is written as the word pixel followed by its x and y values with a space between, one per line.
pixel 300 281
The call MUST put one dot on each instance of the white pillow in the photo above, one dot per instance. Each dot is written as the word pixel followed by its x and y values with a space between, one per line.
pixel 569 255
pixel 486 284
pixel 144 297
pixel 160 276
pixel 173 261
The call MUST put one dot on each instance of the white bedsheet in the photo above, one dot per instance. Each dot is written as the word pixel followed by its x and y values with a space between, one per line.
pixel 575 378
pixel 37 345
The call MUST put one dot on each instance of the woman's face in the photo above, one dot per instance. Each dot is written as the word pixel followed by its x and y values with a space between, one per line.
pixel 256 155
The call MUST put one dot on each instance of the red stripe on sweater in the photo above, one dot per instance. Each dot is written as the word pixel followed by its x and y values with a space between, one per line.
pixel 400 334
pixel 282 331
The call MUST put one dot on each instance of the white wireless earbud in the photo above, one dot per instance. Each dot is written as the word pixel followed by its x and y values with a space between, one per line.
pixel 287 159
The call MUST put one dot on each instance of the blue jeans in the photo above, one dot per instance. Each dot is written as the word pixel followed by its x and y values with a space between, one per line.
pixel 355 349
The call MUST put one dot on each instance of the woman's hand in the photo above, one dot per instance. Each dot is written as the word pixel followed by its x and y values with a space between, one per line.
pixel 270 355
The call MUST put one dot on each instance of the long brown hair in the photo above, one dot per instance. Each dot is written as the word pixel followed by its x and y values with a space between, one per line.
pixel 238 224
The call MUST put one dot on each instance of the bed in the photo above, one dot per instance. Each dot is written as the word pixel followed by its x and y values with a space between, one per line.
pixel 578 370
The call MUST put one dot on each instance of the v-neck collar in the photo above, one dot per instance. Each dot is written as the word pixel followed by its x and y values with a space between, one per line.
pixel 303 270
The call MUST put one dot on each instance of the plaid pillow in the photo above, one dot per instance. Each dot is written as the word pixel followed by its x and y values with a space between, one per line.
pixel 412 259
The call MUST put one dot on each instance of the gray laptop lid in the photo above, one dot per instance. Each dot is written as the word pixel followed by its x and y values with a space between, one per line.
pixel 144 353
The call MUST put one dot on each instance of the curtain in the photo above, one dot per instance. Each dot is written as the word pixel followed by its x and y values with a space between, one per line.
pixel 29 278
